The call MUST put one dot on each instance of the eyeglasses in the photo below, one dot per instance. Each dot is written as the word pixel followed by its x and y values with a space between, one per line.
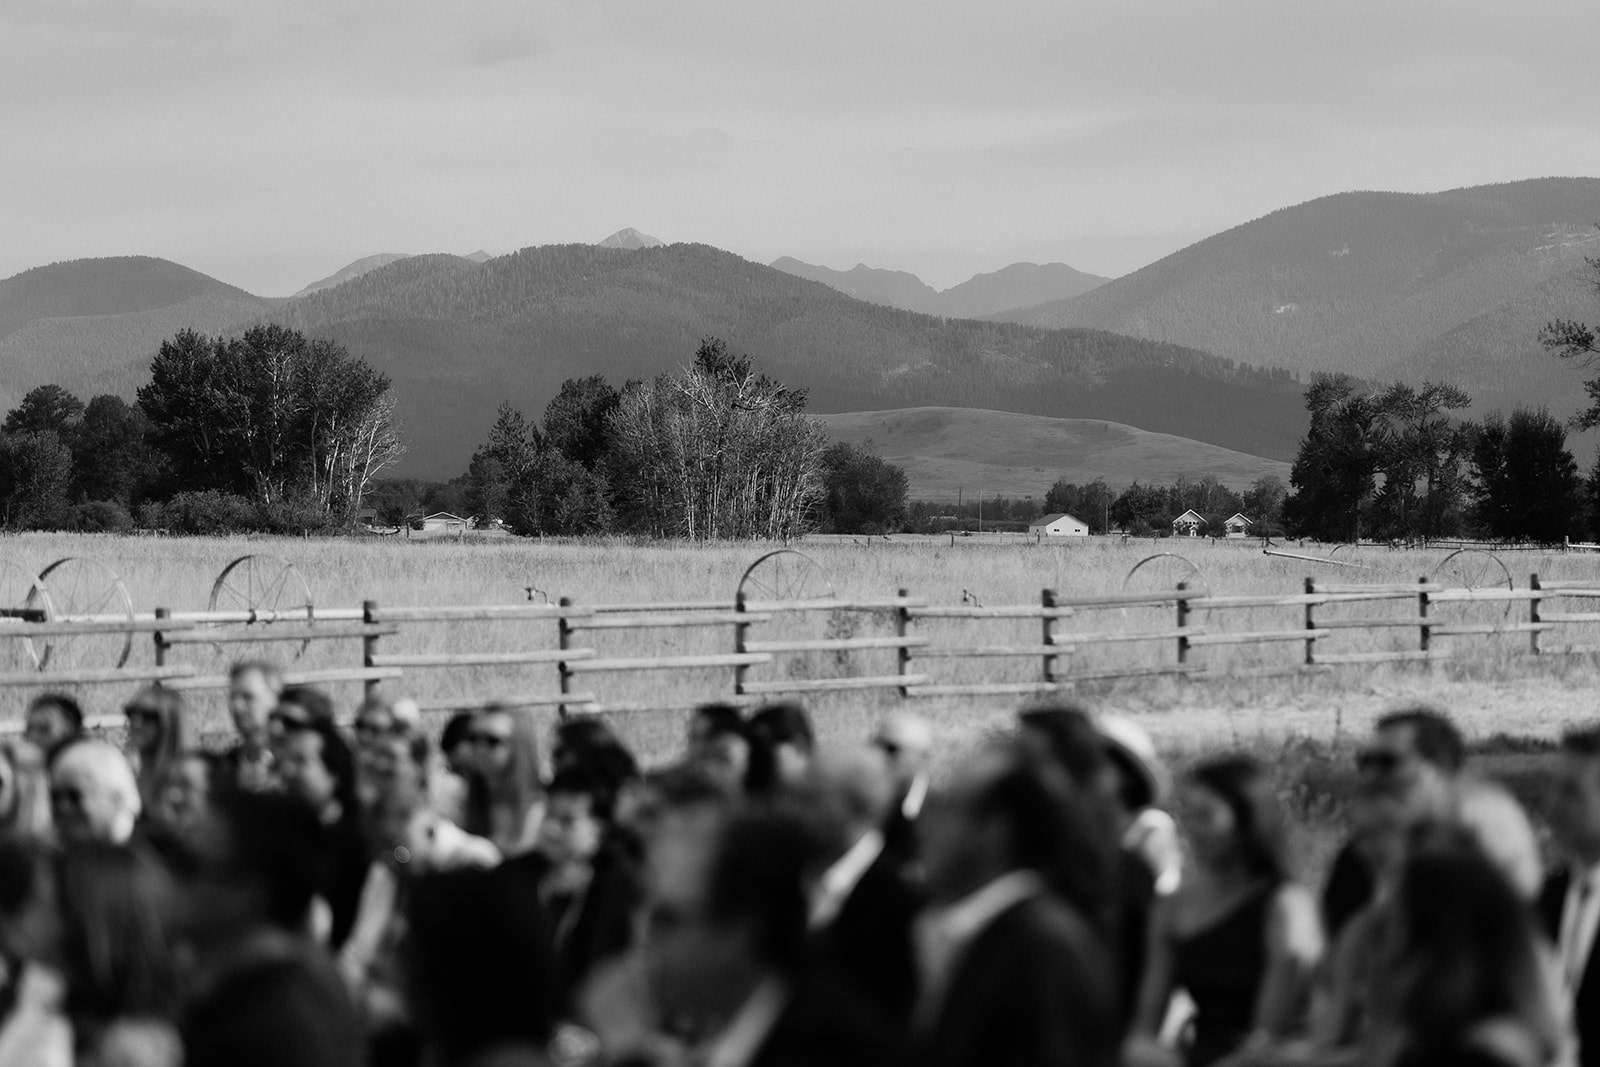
pixel 487 740
pixel 1380 762
pixel 889 748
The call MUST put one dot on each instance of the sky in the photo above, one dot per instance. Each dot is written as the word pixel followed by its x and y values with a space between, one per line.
pixel 268 144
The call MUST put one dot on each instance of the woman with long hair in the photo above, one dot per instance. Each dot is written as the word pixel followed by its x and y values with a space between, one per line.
pixel 24 790
pixel 157 737
pixel 1238 935
pixel 505 800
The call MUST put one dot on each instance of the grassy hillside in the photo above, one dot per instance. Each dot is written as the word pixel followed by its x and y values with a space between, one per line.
pixel 1356 282
pixel 460 337
pixel 945 449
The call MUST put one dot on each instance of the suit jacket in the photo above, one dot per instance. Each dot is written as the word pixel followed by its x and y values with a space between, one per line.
pixel 824 1025
pixel 1036 988
pixel 602 925
pixel 1586 1001
pixel 869 943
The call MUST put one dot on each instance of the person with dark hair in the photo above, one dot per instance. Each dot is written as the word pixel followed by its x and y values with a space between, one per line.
pixel 53 721
pixel 24 789
pixel 315 765
pixel 781 745
pixel 157 736
pixel 1569 902
pixel 186 790
pixel 254 687
pixel 1014 970
pixel 455 743
pixel 906 741
pixel 1468 986
pixel 726 948
pixel 478 971
pixel 505 798
pixel 263 994
pixel 35 1031
pixel 1238 935
pixel 720 742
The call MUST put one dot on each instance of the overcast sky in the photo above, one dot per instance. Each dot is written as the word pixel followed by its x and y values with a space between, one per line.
pixel 269 143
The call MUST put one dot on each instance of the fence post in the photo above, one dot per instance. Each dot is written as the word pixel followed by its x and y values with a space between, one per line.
pixel 902 629
pixel 1425 631
pixel 740 631
pixel 563 642
pixel 1047 600
pixel 369 644
pixel 1183 621
pixel 1533 613
pixel 160 638
pixel 1311 622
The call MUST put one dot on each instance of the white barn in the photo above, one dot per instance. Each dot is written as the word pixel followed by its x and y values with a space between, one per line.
pixel 1060 525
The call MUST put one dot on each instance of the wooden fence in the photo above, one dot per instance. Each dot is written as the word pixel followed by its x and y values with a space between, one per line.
pixel 1052 645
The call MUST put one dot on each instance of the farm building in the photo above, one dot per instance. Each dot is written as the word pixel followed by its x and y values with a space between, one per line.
pixel 1060 525
pixel 1238 526
pixel 443 522
pixel 1188 524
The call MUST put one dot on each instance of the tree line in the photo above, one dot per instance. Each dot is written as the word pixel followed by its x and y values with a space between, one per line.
pixel 265 431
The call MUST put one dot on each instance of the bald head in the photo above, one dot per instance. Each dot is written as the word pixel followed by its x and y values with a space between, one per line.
pixel 855 784
pixel 94 795
pixel 907 741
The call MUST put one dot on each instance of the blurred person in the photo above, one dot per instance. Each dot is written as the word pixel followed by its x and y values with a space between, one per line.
pixel 1140 787
pixel 316 766
pixel 253 690
pixel 94 795
pixel 298 707
pixel 505 799
pixel 578 737
pixel 861 907
pixel 906 741
pixel 376 726
pixel 667 790
pixel 455 743
pixel 1012 970
pixel 720 742
pixel 262 994
pixel 157 735
pixel 782 743
pixel 186 790
pixel 53 721
pixel 1238 935
pixel 478 971
pixel 1470 988
pixel 24 789
pixel 725 948
pixel 35 1031
pixel 1569 902
pixel 1417 754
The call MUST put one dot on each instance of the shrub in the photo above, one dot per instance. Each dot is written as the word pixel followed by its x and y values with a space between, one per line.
pixel 101 516
pixel 209 512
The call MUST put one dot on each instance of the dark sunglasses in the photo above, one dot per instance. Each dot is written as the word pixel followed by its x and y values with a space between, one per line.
pixel 66 798
pixel 286 722
pixel 141 714
pixel 888 748
pixel 1376 761
pixel 364 728
pixel 488 740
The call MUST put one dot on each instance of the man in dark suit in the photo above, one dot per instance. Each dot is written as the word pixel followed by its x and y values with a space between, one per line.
pixel 1012 974
pixel 1569 903
pixel 906 741
pixel 861 906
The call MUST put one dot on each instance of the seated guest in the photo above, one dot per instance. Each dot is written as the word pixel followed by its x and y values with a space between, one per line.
pixel 378 721
pixel 1012 970
pixel 1238 935
pixel 186 791
pixel 906 741
pixel 35 1030
pixel 315 766
pixel 1569 905
pixel 455 743
pixel 93 794
pixel 1139 787
pixel 505 798
pixel 253 690
pixel 298 707
pixel 157 735
pixel 719 742
pixel 54 720
pixel 478 971
pixel 263 995
pixel 24 789
pixel 861 908
pixel 782 742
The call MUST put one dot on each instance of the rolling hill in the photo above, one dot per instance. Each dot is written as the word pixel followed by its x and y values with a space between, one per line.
pixel 1375 284
pixel 946 449
pixel 458 338
pixel 92 325
pixel 1019 285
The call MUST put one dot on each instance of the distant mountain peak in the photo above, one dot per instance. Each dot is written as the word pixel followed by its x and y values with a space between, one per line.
pixel 354 270
pixel 480 256
pixel 628 237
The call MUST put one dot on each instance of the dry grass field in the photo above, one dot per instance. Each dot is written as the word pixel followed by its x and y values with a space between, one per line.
pixel 1306 723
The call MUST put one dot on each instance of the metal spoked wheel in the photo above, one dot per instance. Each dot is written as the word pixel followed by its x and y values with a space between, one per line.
pixel 786 575
pixel 82 588
pixel 1161 573
pixel 266 589
pixel 1475 568
pixel 23 599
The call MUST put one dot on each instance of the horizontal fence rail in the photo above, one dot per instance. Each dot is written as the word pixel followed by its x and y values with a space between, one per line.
pixel 901 644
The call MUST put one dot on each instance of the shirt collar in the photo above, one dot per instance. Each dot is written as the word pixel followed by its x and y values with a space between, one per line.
pixel 968 917
pixel 841 879
pixel 736 1044
pixel 916 793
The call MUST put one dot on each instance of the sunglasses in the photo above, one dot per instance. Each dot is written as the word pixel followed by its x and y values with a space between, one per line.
pixel 888 748
pixel 367 728
pixel 66 798
pixel 487 740
pixel 286 721
pixel 1379 762
pixel 141 714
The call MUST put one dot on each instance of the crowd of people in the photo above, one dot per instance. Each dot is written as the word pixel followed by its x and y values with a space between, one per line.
pixel 317 895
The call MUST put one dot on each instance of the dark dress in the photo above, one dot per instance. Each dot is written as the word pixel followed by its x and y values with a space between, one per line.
pixel 1221 966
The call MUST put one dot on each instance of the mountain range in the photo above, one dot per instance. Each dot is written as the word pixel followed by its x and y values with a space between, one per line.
pixel 1382 285
pixel 1017 286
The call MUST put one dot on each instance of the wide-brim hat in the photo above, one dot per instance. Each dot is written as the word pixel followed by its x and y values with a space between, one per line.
pixel 1128 743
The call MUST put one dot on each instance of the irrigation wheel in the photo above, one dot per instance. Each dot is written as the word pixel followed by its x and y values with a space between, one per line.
pixel 269 588
pixel 85 589
pixel 786 574
pixel 1474 568
pixel 23 598
pixel 1161 573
